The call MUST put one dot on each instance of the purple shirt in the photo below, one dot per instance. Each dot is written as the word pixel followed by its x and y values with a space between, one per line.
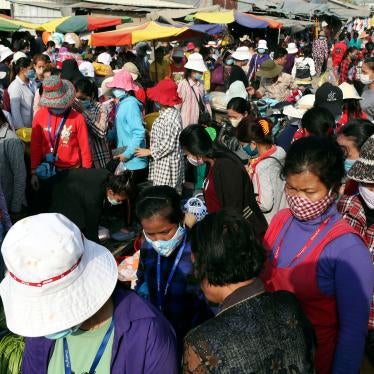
pixel 144 341
pixel 345 271
pixel 287 68
pixel 255 63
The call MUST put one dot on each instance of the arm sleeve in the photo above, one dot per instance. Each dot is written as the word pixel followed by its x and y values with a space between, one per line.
pixel 36 146
pixel 99 124
pixel 134 120
pixel 15 153
pixel 161 348
pixel 84 145
pixel 165 144
pixel 293 72
pixel 265 197
pixel 312 67
pixel 15 105
pixel 182 89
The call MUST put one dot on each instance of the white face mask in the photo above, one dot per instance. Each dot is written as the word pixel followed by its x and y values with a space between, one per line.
pixel 365 79
pixel 235 121
pixel 367 195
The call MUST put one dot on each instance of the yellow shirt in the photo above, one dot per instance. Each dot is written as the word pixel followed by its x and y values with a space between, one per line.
pixel 163 71
pixel 206 79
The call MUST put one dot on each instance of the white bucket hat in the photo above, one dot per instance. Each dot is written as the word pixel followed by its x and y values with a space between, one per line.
pixel 298 110
pixel 262 44
pixel 241 54
pixel 349 91
pixel 5 52
pixel 104 58
pixel 87 69
pixel 18 55
pixel 236 89
pixel 56 278
pixel 291 48
pixel 196 62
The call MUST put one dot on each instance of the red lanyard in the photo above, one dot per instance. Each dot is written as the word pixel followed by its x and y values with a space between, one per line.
pixel 267 154
pixel 306 245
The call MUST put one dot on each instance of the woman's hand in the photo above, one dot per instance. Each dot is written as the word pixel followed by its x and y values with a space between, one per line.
pixel 121 157
pixel 35 182
pixel 142 152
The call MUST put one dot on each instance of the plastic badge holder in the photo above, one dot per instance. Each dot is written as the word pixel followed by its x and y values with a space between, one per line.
pixel 196 207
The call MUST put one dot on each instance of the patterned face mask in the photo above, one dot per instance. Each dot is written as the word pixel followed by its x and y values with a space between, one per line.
pixel 304 209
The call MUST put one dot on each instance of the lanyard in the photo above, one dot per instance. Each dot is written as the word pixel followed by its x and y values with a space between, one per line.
pixel 52 141
pixel 173 269
pixel 307 244
pixel 98 356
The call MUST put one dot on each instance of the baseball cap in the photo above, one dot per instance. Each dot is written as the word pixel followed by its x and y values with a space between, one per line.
pixel 329 97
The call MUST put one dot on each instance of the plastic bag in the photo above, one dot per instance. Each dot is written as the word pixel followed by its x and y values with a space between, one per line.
pixel 120 169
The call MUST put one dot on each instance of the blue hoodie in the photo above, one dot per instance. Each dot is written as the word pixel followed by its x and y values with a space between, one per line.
pixel 130 131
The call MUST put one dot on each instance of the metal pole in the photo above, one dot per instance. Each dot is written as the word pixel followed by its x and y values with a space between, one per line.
pixel 154 54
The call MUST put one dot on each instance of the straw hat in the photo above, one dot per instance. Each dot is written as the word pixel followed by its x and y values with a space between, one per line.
pixel 245 38
pixel 349 91
pixel 57 93
pixel 56 278
pixel 363 169
pixel 298 110
pixel 196 62
pixel 269 69
pixel 123 80
pixel 165 93
pixel 132 69
pixel 241 54
pixel 363 35
pixel 292 49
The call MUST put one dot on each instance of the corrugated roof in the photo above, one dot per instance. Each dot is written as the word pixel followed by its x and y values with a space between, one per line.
pixel 145 3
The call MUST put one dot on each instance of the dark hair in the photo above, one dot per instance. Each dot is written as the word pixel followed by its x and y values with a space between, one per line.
pixel 21 44
pixel 369 46
pixel 321 156
pixel 307 51
pixel 256 130
pixel 239 104
pixel 355 35
pixel 352 107
pixel 120 184
pixel 347 52
pixel 21 63
pixel 40 57
pixel 370 63
pixel 358 131
pixel 159 200
pixel 342 36
pixel 318 121
pixel 187 73
pixel 226 249
pixel 50 43
pixel 280 52
pixel 86 86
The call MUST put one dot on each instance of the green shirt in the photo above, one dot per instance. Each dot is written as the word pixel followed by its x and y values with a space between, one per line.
pixel 83 346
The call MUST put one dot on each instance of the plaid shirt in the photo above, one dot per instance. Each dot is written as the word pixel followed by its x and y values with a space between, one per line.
pixel 184 305
pixel 353 212
pixel 97 119
pixel 166 164
pixel 347 72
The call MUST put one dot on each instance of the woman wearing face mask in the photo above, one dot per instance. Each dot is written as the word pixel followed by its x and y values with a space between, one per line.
pixel 351 138
pixel 39 64
pixel 49 127
pixel 264 170
pixel 191 90
pixel 21 93
pixel 320 52
pixel 367 78
pixel 347 68
pixel 358 211
pixel 258 59
pixel 240 57
pixel 165 267
pixel 316 255
pixel 96 116
pixel 51 51
pixel 227 184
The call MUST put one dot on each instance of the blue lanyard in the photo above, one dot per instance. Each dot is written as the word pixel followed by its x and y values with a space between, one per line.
pixel 173 269
pixel 52 141
pixel 98 356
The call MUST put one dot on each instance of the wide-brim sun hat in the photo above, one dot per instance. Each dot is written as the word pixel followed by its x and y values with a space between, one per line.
pixel 262 44
pixel 363 169
pixel 5 52
pixel 124 81
pixel 305 103
pixel 57 93
pixel 56 278
pixel 165 92
pixel 292 48
pixel 236 89
pixel 349 91
pixel 241 54
pixel 269 69
pixel 104 58
pixel 104 89
pixel 196 62
pixel 18 55
pixel 132 69
pixel 87 69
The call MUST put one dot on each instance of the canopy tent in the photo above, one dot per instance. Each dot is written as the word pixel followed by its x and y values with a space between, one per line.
pixel 7 26
pixel 79 24
pixel 18 23
pixel 146 32
pixel 211 29
pixel 247 20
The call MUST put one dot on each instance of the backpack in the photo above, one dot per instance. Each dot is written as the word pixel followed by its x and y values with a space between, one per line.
pixel 302 71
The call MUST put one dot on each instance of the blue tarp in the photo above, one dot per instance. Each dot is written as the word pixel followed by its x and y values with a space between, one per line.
pixel 210 29
pixel 247 20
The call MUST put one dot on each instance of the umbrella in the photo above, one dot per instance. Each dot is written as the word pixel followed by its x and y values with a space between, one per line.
pixel 18 23
pixel 7 26
pixel 146 32
pixel 78 24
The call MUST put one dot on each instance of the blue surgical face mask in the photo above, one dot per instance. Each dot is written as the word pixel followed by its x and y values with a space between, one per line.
pixel 119 93
pixel 229 61
pixel 198 76
pixel 31 74
pixel 261 51
pixel 63 333
pixel 86 103
pixel 166 247
pixel 251 153
pixel 348 164
pixel 57 111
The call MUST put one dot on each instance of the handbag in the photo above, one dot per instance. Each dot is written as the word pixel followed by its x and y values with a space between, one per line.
pixel 46 168
pixel 204 115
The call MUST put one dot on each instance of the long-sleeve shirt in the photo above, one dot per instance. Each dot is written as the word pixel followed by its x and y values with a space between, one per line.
pixel 73 147
pixel 21 97
pixel 255 64
pixel 12 169
pixel 130 131
pixel 345 272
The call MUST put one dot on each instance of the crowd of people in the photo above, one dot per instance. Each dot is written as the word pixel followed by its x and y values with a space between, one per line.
pixel 241 179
